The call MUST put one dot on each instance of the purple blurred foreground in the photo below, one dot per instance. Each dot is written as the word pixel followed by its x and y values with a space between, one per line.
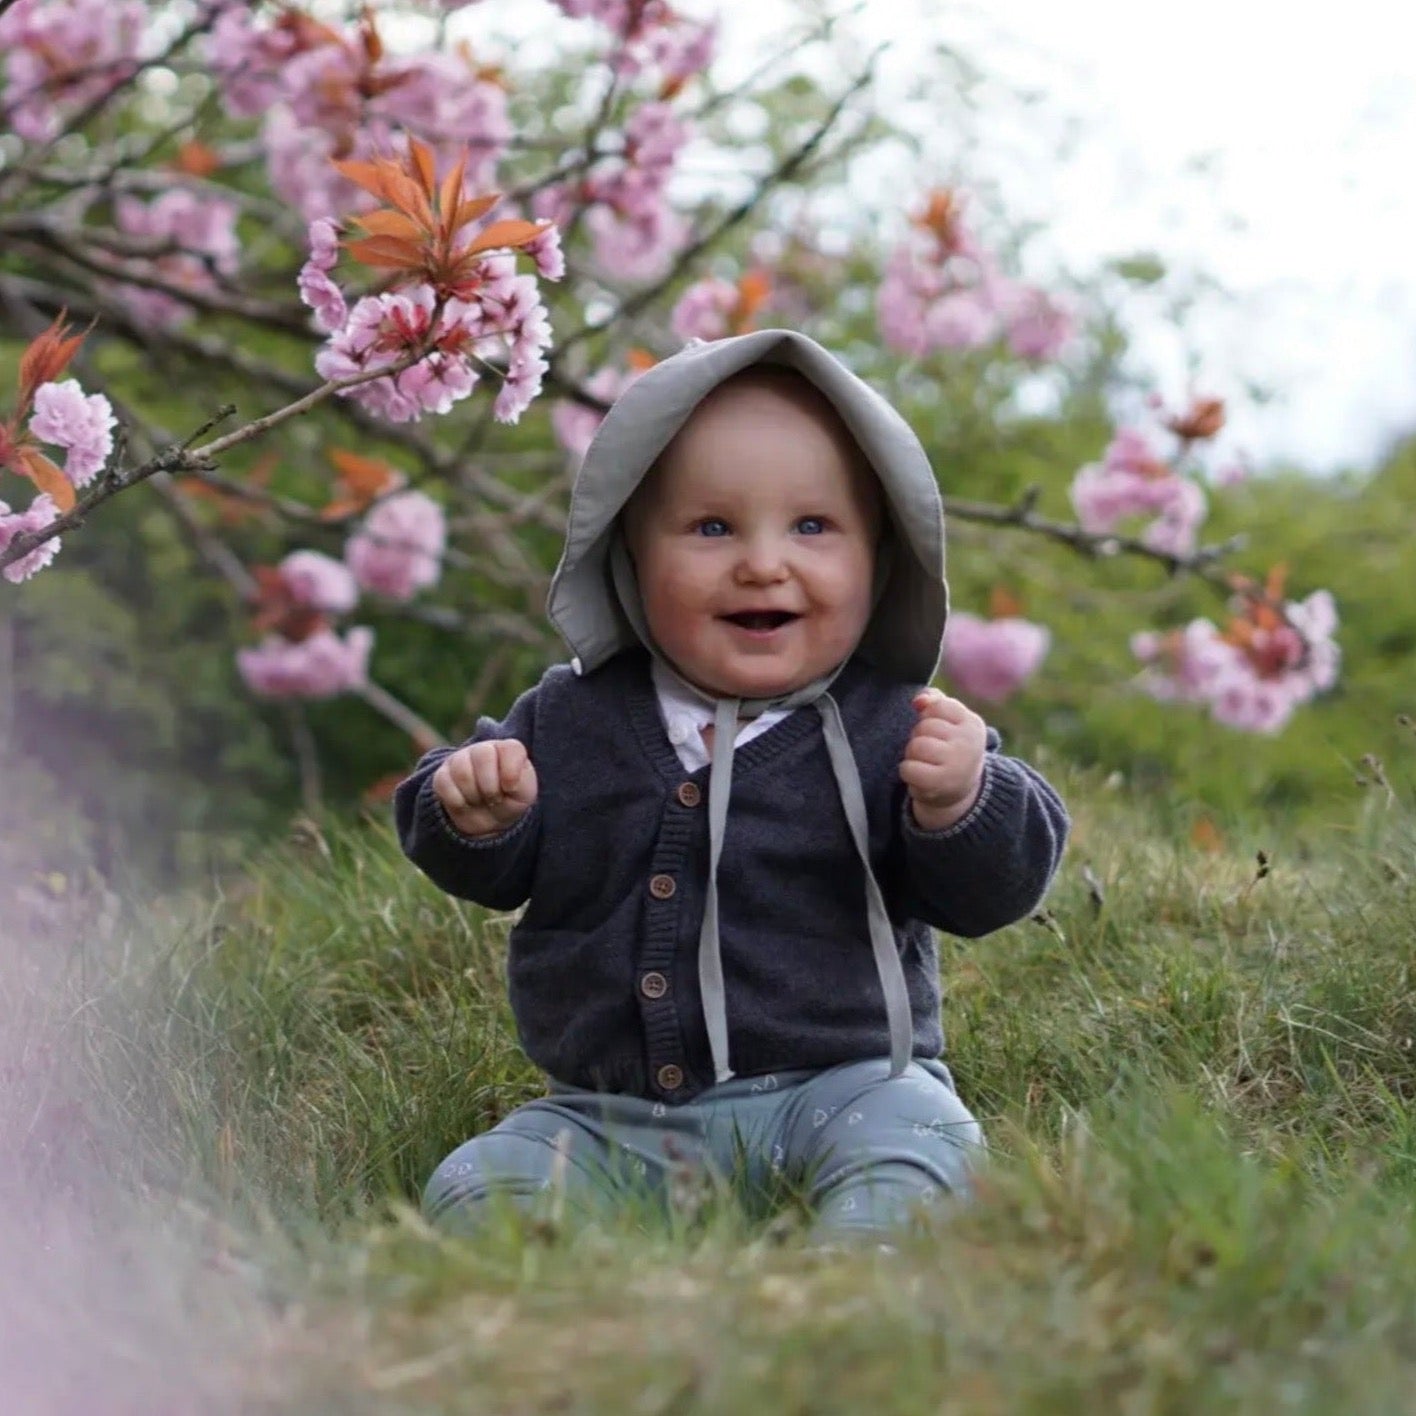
pixel 116 1296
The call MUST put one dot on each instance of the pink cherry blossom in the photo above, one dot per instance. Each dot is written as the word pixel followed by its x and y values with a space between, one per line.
pixel 574 423
pixel 1188 664
pixel 962 319
pixel 1254 684
pixel 545 251
pixel 505 320
pixel 625 197
pixel 39 514
pixel 317 289
pixel 320 582
pixel 398 549
pixel 63 55
pixel 325 94
pixel 991 659
pixel 321 666
pixel 1175 531
pixel 83 425
pixel 942 290
pixel 1133 480
pixel 202 231
pixel 1039 326
pixel 246 59
pixel 638 243
pixel 704 309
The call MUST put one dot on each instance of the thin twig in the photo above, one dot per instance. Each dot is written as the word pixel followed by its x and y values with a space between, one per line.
pixel 1098 545
pixel 185 458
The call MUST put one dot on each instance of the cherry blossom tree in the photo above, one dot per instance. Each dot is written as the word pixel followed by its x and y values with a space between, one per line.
pixel 395 246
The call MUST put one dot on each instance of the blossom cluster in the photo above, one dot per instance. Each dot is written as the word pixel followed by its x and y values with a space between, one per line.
pixel 61 416
pixel 201 230
pixel 396 552
pixel 63 55
pixel 327 92
pixel 943 290
pixel 713 308
pixel 990 659
pixel 1251 675
pixel 575 423
pixel 650 36
pixel 82 424
pixel 319 666
pixel 625 198
pixel 40 513
pixel 504 318
pixel 1133 479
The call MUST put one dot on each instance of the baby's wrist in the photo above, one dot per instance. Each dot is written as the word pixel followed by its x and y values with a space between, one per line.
pixel 940 818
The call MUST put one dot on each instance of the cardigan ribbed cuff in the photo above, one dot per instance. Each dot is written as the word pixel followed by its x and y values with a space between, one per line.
pixel 985 811
pixel 432 814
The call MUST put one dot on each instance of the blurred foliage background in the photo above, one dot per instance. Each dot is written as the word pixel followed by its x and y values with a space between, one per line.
pixel 128 743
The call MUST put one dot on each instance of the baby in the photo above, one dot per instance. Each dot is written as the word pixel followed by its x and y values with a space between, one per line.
pixel 736 815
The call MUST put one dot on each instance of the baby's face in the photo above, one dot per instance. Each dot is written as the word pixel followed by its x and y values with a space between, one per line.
pixel 754 541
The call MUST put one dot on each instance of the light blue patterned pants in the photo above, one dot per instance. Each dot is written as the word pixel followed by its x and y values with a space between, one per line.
pixel 866 1148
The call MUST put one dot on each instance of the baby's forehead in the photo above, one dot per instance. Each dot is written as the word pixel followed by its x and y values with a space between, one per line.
pixel 772 397
pixel 765 406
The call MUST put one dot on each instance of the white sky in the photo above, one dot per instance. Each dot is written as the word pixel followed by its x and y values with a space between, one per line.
pixel 1269 144
pixel 1265 143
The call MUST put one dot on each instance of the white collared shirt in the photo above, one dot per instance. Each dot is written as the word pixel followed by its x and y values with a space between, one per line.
pixel 685 716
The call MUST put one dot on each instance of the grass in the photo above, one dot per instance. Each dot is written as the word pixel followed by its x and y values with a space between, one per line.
pixel 1196 1074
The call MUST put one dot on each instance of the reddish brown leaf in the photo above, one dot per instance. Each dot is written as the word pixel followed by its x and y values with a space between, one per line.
pixel 390 223
pixel 197 159
pixel 501 235
pixel 367 175
pixel 232 509
pixel 1204 419
pixel 1206 836
pixel 45 359
pixel 46 476
pixel 1003 604
pixel 450 194
pixel 369 34
pixel 471 209
pixel 754 288
pixel 384 178
pixel 361 480
pixel 386 253
pixel 422 166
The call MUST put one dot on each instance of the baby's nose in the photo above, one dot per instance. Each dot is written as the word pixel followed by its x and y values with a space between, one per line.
pixel 763 558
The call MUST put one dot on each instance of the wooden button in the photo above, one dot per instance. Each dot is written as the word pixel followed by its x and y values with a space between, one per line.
pixel 670 1077
pixel 689 795
pixel 662 886
pixel 653 985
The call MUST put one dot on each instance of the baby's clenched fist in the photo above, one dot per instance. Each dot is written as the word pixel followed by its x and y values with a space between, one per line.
pixel 943 761
pixel 486 787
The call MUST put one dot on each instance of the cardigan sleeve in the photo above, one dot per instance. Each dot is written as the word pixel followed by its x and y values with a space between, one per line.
pixel 495 871
pixel 994 865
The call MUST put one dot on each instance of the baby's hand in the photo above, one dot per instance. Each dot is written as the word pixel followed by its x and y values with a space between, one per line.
pixel 486 787
pixel 943 761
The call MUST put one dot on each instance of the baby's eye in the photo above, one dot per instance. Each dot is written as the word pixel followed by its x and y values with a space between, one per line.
pixel 712 526
pixel 812 525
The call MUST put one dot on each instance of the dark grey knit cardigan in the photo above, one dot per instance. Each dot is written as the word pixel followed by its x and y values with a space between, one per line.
pixel 602 967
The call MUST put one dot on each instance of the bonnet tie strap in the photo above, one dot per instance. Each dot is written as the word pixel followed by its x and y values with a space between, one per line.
pixel 882 938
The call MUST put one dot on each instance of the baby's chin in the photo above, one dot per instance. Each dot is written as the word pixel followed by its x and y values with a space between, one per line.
pixel 762 686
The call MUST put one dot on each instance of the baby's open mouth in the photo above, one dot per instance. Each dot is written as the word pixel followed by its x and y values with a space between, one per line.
pixel 761 619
